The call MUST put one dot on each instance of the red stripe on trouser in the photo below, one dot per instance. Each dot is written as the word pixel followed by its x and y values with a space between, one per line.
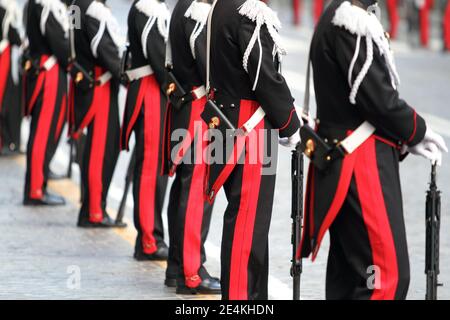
pixel 393 17
pixel 447 27
pixel 137 109
pixel 376 220
pixel 41 137
pixel 186 143
pixel 101 103
pixel 60 123
pixel 147 188
pixel 424 16
pixel 195 204
pixel 71 108
pixel 245 221
pixel 38 87
pixel 318 9
pixel 5 59
pixel 296 7
pixel 308 209
pixel 345 178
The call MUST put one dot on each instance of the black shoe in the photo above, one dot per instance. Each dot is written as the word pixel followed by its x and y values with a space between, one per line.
pixel 49 199
pixel 107 222
pixel 54 176
pixel 208 286
pixel 161 254
pixel 9 151
pixel 170 282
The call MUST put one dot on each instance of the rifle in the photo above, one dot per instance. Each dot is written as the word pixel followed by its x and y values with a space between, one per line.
pixel 433 224
pixel 128 182
pixel 71 157
pixel 297 218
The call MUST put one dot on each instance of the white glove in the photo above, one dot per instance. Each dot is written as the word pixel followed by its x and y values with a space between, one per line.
pixel 431 147
pixel 292 141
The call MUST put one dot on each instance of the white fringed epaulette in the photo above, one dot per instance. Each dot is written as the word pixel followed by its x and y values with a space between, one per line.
pixel 364 24
pixel 197 11
pixel 103 14
pixel 59 11
pixel 258 12
pixel 157 12
pixel 12 17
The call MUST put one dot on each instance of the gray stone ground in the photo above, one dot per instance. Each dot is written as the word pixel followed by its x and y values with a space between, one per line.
pixel 41 244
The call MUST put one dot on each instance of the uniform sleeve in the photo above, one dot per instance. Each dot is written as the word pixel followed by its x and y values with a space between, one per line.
pixel 57 40
pixel 377 100
pixel 156 49
pixel 106 51
pixel 271 89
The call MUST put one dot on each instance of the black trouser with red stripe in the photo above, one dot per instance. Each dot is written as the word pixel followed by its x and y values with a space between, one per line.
pixel 189 219
pixel 446 27
pixel 249 190
pixel 368 257
pixel 10 105
pixel 48 112
pixel 100 152
pixel 189 213
pixel 149 186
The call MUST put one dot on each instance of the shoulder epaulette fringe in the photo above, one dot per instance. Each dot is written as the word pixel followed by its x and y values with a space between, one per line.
pixel 158 13
pixel 12 18
pixel 100 12
pixel 197 11
pixel 365 24
pixel 59 11
pixel 258 12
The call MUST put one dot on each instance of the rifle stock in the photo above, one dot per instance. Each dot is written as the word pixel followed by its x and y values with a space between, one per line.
pixel 128 182
pixel 297 218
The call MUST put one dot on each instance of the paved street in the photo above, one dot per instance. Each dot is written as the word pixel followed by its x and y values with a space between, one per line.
pixel 40 249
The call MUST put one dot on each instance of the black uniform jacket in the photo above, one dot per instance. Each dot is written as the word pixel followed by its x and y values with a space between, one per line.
pixel 13 35
pixel 156 58
pixel 377 101
pixel 231 34
pixel 47 36
pixel 94 48
pixel 189 68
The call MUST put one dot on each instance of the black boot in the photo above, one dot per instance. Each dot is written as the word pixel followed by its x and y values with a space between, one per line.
pixel 209 285
pixel 159 255
pixel 49 199
pixel 107 222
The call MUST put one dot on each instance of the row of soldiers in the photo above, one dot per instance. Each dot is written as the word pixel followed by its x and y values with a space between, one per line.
pixel 216 66
pixel 418 10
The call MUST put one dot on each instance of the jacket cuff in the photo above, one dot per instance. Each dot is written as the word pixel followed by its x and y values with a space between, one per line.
pixel 419 131
pixel 291 126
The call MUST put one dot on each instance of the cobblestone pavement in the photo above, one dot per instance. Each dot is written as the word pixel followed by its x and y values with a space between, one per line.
pixel 105 259
pixel 44 256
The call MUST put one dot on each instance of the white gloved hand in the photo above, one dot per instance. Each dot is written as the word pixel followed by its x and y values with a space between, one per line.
pixel 431 147
pixel 292 141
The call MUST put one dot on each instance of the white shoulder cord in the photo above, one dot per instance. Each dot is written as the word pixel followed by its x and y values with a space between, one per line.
pixel 148 26
pixel 199 12
pixel 59 12
pixel 364 24
pixel 364 70
pixel 261 14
